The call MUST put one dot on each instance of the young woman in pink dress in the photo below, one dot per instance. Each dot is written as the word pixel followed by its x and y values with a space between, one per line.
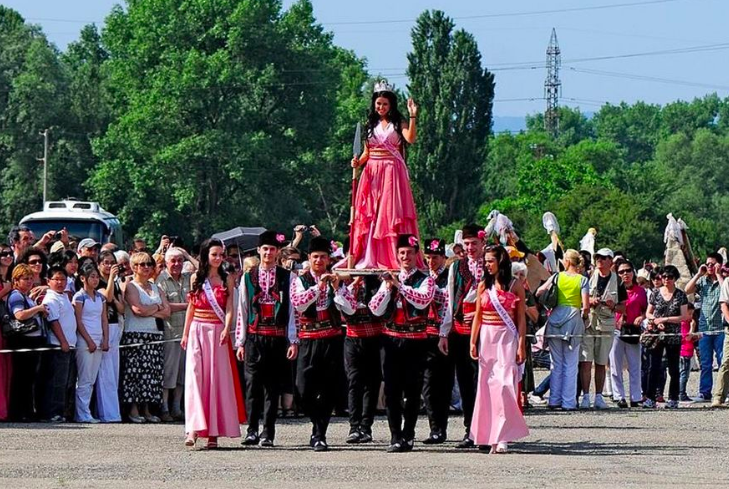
pixel 211 406
pixel 498 343
pixel 384 206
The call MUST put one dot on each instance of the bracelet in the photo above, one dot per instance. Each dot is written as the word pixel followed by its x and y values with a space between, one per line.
pixel 413 117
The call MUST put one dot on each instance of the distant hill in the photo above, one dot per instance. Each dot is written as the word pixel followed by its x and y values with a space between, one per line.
pixel 509 123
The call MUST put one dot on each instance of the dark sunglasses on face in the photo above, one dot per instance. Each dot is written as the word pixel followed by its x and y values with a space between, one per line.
pixel 668 277
pixel 35 262
pixel 147 264
pixel 5 254
pixel 624 271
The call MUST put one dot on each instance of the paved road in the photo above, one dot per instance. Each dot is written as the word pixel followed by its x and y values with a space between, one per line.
pixel 618 448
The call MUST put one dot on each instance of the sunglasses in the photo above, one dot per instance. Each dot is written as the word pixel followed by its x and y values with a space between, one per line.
pixel 668 277
pixel 35 262
pixel 5 254
pixel 625 271
pixel 147 264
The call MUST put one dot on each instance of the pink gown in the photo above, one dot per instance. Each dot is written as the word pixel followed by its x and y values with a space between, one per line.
pixel 384 205
pixel 211 408
pixel 496 414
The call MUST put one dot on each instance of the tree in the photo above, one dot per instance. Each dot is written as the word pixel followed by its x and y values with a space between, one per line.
pixel 455 94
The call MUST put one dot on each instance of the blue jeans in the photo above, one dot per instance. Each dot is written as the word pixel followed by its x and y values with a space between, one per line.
pixel 709 345
pixel 543 387
pixel 684 372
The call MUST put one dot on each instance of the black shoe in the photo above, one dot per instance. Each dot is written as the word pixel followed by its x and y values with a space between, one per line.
pixel 266 443
pixel 251 439
pixel 321 446
pixel 434 439
pixel 634 404
pixel 465 443
pixel 622 404
pixel 365 437
pixel 407 445
pixel 484 448
pixel 312 441
pixel 397 447
pixel 355 436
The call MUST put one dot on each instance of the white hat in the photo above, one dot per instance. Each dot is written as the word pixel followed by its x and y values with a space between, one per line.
pixel 605 252
pixel 86 243
pixel 57 246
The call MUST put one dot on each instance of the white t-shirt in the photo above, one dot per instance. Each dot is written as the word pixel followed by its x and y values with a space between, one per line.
pixel 60 309
pixel 92 310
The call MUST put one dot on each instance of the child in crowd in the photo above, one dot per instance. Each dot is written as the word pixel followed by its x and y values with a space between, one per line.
pixel 93 338
pixel 687 350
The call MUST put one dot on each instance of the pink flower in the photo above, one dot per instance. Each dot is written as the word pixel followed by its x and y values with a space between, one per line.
pixel 280 238
pixel 481 234
pixel 434 245
pixel 413 241
pixel 335 247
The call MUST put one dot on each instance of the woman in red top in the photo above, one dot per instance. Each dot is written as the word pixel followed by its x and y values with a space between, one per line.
pixel 627 346
pixel 211 408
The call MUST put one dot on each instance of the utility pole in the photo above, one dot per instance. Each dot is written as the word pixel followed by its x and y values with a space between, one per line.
pixel 552 86
pixel 45 164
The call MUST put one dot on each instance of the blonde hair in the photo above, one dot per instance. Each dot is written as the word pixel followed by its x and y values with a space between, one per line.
pixel 139 257
pixel 249 262
pixel 21 271
pixel 573 258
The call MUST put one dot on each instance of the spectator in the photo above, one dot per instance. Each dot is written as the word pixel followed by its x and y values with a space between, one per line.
pixel 6 263
pixel 159 265
pixel 89 247
pixel 25 365
pixel 112 247
pixel 667 308
pixel 92 339
pixel 139 244
pixel 107 398
pixel 520 272
pixel 175 284
pixel 142 366
pixel 722 380
pixel 71 266
pixel 57 372
pixel 6 285
pixel 687 351
pixel 20 239
pixel 289 258
pixel 232 256
pixel 125 268
pixel 564 328
pixel 38 262
pixel 607 296
pixel 627 346
pixel 707 284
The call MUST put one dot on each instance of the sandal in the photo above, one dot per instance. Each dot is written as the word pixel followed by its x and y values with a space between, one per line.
pixel 190 440
pixel 212 443
pixel 502 448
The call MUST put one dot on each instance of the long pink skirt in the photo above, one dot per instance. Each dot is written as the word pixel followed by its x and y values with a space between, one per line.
pixel 496 414
pixel 210 401
pixel 384 208
pixel 5 372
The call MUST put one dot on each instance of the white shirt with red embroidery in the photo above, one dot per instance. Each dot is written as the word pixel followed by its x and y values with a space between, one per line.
pixel 420 297
pixel 302 298
pixel 440 298
pixel 346 300
pixel 266 279
pixel 476 267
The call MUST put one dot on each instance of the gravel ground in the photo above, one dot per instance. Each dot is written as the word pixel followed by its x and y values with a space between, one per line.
pixel 615 448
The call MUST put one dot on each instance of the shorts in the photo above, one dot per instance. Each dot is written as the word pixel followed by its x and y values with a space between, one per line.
pixel 596 345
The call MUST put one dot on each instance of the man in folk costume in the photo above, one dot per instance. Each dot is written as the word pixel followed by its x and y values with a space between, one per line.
pixel 464 276
pixel 437 378
pixel 404 302
pixel 320 340
pixel 362 358
pixel 265 337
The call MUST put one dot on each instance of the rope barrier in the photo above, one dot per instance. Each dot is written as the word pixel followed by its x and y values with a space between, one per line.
pixel 54 348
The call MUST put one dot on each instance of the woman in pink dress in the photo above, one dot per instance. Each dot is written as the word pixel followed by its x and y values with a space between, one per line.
pixel 498 343
pixel 211 408
pixel 384 206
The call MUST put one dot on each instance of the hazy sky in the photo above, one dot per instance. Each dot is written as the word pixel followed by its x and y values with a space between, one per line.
pixel 690 34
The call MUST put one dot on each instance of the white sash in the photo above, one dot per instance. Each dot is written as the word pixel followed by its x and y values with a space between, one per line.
pixel 213 301
pixel 502 312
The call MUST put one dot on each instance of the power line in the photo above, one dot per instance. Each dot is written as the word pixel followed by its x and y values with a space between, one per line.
pixel 631 76
pixel 510 14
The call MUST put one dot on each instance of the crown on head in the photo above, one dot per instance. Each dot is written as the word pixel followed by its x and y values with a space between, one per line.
pixel 383 86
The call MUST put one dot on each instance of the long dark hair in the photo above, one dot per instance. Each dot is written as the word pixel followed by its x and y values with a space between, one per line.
pixel 503 275
pixel 632 269
pixel 202 272
pixel 394 116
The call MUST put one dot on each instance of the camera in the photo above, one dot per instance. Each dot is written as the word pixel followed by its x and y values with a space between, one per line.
pixel 175 241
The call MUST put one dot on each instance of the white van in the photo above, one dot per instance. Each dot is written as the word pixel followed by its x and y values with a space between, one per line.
pixel 82 219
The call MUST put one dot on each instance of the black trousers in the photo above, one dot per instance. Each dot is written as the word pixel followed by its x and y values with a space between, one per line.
pixel 437 387
pixel 25 388
pixel 459 352
pixel 57 378
pixel 656 375
pixel 403 368
pixel 364 374
pixel 317 374
pixel 265 365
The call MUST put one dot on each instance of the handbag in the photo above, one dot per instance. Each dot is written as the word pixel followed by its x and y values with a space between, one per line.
pixel 549 298
pixel 12 327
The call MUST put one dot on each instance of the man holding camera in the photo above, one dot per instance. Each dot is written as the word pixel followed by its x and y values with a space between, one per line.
pixel 265 327
pixel 320 337
pixel 404 302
